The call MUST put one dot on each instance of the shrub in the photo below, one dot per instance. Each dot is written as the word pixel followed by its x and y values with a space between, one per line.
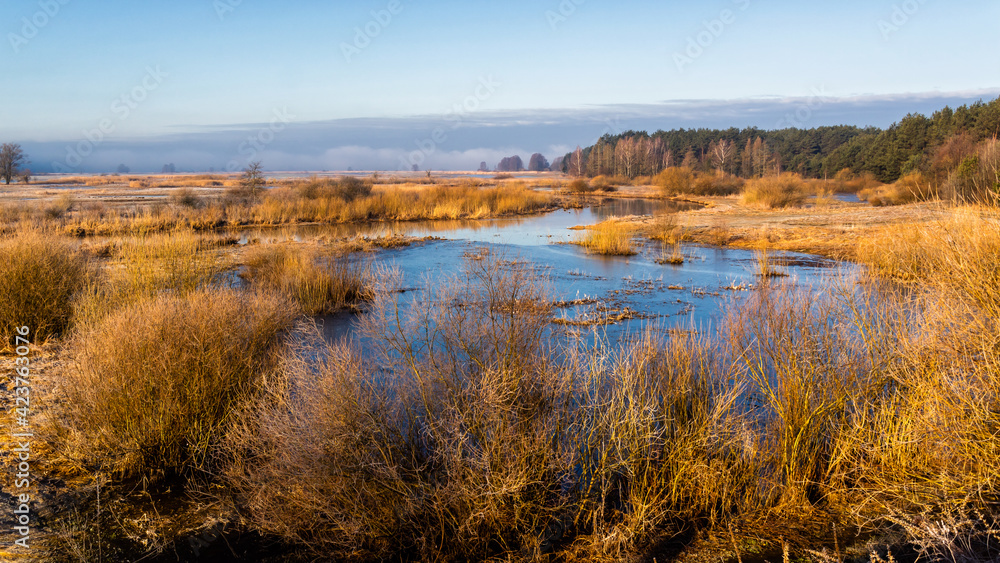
pixel 59 207
pixel 911 187
pixel 580 186
pixel 39 276
pixel 605 184
pixel 185 197
pixel 848 182
pixel 155 385
pixel 675 180
pixel 346 188
pixel 786 190
pixel 716 183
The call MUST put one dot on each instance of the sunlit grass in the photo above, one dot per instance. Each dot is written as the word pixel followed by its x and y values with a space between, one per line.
pixel 610 238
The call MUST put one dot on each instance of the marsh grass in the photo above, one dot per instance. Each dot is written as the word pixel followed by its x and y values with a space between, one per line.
pixel 763 265
pixel 145 267
pixel 308 201
pixel 479 442
pixel 610 238
pixel 674 258
pixel 39 276
pixel 462 432
pixel 154 385
pixel 318 283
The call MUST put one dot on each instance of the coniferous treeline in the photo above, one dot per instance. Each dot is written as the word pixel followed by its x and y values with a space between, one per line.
pixel 932 145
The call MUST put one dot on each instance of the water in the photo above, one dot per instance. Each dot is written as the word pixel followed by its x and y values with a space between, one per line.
pixel 609 296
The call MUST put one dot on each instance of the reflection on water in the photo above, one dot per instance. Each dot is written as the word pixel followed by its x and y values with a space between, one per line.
pixel 634 291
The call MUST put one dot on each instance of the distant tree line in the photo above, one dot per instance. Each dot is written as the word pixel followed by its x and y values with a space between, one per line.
pixel 917 143
pixel 537 163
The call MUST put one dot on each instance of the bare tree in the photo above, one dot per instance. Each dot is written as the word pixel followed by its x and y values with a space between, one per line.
pixel 722 154
pixel 11 157
pixel 252 180
pixel 576 162
pixel 26 176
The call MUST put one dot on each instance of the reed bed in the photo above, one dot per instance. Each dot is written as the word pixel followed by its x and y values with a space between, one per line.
pixel 308 201
pixel 610 238
pixel 319 283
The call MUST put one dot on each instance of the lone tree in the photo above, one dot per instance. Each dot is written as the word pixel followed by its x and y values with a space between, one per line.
pixel 252 180
pixel 11 157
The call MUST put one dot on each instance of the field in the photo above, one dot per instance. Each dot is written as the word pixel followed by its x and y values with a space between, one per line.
pixel 185 403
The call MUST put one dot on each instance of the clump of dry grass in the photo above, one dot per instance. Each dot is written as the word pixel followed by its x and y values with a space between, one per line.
pixel 154 386
pixel 39 276
pixel 675 258
pixel 320 284
pixel 763 264
pixel 610 238
pixel 59 207
pixel 786 190
pixel 665 229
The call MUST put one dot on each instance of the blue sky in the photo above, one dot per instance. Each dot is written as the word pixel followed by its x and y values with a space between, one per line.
pixel 163 77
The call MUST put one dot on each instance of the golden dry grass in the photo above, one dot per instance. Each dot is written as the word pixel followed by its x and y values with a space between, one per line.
pixel 39 276
pixel 304 201
pixel 461 433
pixel 155 384
pixel 144 267
pixel 610 238
pixel 319 283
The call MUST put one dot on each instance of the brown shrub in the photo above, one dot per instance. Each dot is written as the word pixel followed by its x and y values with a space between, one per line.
pixel 786 190
pixel 155 385
pixel 39 277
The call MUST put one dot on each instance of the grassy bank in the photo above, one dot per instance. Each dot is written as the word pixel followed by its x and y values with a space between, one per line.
pixel 343 200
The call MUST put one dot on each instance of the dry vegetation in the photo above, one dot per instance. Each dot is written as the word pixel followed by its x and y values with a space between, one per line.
pixel 860 424
pixel 319 284
pixel 172 203
pixel 610 238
